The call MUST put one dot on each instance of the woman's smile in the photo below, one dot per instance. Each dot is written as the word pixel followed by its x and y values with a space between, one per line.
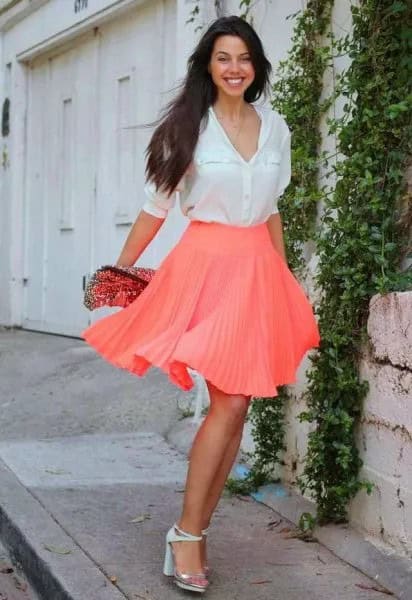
pixel 231 66
pixel 234 82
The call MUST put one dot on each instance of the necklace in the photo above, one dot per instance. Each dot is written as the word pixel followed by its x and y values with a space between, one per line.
pixel 238 127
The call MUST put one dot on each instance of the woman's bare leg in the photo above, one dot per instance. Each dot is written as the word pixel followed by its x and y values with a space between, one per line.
pixel 224 420
pixel 221 476
pixel 224 469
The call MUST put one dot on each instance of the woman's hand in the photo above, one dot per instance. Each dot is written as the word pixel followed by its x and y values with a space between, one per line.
pixel 274 224
pixel 141 234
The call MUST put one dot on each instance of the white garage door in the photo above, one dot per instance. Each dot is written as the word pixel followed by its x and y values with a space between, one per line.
pixel 85 161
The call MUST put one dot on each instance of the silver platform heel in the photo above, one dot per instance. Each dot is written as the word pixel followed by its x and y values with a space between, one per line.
pixel 194 582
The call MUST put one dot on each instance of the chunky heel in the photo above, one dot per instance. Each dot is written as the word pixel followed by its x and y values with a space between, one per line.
pixel 194 582
pixel 168 566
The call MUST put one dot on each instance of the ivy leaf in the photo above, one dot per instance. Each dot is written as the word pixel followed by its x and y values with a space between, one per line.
pixel 398 7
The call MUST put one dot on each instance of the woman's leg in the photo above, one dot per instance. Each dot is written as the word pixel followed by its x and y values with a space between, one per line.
pixel 224 420
pixel 219 481
pixel 224 469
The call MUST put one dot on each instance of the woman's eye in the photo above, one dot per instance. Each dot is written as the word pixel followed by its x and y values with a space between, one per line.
pixel 242 59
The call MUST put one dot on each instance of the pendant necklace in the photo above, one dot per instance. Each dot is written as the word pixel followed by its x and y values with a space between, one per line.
pixel 239 129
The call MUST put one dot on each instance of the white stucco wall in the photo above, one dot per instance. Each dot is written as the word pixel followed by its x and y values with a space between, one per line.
pixel 385 431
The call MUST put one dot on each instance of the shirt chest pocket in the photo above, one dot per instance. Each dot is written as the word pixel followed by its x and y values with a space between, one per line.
pixel 270 167
pixel 214 159
pixel 272 159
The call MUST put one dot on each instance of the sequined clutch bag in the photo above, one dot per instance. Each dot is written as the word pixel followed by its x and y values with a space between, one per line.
pixel 116 286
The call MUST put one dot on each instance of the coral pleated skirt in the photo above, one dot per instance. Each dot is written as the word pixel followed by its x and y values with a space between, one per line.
pixel 224 303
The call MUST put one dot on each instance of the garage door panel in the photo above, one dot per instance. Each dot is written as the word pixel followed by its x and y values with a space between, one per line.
pixel 68 176
pixel 35 213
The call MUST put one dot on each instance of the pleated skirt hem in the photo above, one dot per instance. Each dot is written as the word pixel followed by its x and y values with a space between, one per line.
pixel 178 374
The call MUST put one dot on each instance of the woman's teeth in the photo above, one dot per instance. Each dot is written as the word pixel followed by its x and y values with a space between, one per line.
pixel 234 81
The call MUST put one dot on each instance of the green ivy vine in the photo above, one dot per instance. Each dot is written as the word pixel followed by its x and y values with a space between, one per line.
pixel 360 244
pixel 296 95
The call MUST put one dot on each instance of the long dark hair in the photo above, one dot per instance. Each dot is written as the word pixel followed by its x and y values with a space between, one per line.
pixel 171 147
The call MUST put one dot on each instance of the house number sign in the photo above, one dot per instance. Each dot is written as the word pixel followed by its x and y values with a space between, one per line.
pixel 80 5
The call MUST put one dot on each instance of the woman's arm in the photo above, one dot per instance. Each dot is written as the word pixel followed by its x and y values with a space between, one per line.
pixel 141 234
pixel 274 224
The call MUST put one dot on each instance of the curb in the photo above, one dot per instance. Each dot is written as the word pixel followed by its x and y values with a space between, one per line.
pixel 388 569
pixel 62 572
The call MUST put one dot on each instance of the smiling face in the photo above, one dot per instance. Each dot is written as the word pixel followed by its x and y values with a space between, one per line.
pixel 231 66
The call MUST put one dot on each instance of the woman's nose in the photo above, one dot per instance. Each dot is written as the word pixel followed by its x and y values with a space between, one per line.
pixel 234 66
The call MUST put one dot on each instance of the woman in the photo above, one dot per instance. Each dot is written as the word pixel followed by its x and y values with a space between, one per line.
pixel 223 301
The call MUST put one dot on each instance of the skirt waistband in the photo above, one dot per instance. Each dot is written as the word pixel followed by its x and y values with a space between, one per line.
pixel 220 237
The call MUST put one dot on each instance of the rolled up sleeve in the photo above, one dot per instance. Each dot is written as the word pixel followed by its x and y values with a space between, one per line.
pixel 159 203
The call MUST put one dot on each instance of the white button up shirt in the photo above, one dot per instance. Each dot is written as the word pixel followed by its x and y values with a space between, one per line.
pixel 221 186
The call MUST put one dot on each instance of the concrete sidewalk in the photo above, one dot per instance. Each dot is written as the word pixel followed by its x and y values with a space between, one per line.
pixel 89 486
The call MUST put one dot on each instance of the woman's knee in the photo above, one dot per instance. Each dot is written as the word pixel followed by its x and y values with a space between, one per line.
pixel 230 407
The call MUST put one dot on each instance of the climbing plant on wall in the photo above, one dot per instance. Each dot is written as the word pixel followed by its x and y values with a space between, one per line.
pixel 296 95
pixel 359 245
